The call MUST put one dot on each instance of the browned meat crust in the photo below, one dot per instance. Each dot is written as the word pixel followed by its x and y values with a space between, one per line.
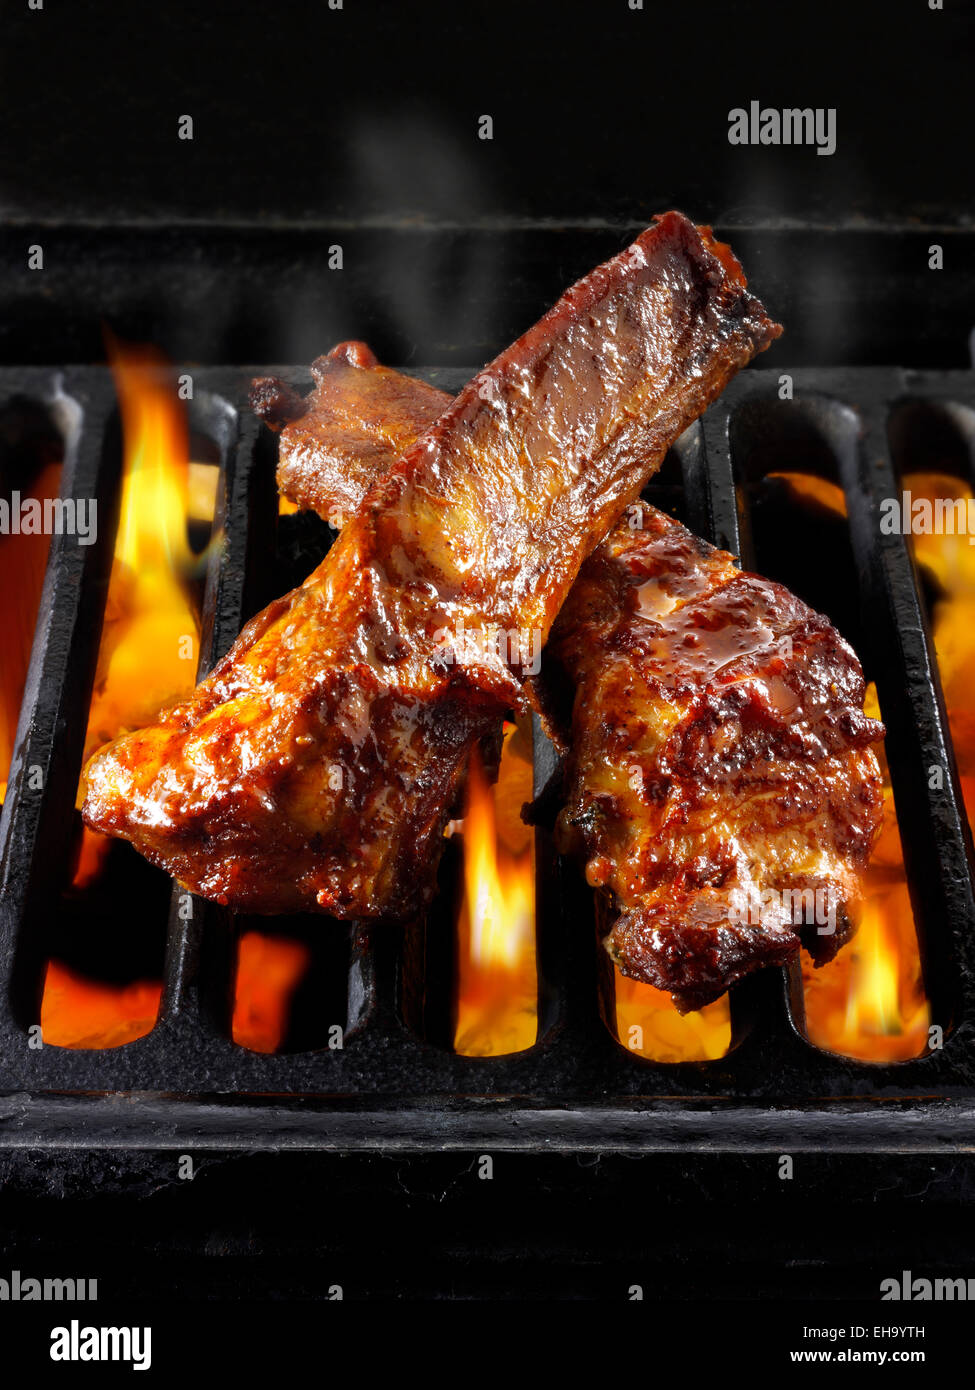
pixel 666 921
pixel 275 402
pixel 721 780
pixel 316 765
pixel 335 442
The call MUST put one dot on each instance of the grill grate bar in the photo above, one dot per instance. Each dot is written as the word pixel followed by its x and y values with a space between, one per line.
pixel 383 1064
pixel 935 832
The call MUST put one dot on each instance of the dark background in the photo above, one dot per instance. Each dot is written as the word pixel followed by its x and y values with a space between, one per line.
pixel 305 114
pixel 358 126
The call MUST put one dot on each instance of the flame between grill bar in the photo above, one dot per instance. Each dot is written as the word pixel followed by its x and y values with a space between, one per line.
pixel 386 1081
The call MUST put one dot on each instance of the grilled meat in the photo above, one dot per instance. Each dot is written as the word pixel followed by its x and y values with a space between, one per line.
pixel 721 780
pixel 315 767
pixel 354 425
pixel 719 751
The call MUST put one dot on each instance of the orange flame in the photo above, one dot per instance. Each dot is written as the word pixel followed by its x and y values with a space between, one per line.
pixel 809 488
pixel 869 1002
pixel 950 559
pixel 149 645
pixel 76 1012
pixel 497 996
pixel 150 635
pixel 147 659
pixel 269 970
pixel 649 1025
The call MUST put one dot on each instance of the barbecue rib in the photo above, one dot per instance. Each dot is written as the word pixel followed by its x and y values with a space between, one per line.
pixel 719 749
pixel 315 767
pixel 721 779
pixel 350 430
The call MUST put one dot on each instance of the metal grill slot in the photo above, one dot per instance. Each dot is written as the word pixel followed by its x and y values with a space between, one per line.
pixel 392 1081
pixel 791 459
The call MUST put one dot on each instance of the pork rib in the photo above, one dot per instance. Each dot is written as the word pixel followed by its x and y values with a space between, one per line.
pixel 720 781
pixel 356 423
pixel 315 767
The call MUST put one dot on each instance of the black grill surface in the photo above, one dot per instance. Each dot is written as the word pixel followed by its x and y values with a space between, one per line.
pixel 394 1085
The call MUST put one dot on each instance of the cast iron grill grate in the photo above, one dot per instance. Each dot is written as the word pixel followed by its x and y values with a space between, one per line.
pixel 186 1082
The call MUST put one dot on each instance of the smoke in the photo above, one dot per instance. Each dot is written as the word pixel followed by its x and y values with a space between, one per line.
pixel 424 268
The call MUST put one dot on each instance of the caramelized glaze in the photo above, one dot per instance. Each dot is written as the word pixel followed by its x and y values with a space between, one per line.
pixel 316 766
pixel 720 759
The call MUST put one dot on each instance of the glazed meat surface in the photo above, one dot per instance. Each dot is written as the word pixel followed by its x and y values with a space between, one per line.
pixel 721 781
pixel 719 749
pixel 315 767
pixel 358 420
